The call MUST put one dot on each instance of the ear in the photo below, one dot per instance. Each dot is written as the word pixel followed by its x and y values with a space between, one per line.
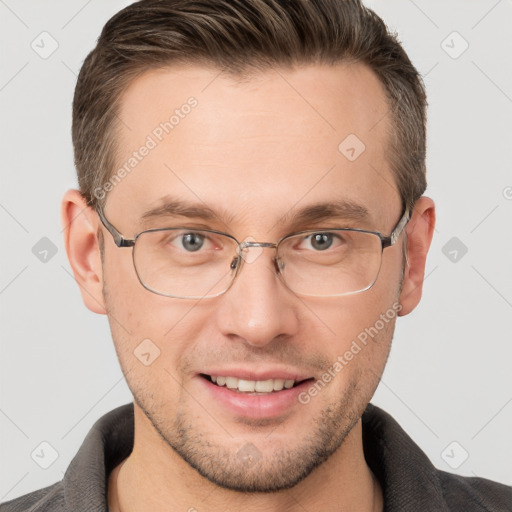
pixel 419 235
pixel 80 225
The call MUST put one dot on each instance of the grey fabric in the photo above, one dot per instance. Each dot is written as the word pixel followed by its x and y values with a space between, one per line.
pixel 409 481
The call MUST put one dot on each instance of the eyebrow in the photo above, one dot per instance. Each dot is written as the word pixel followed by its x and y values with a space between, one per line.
pixel 172 207
pixel 338 210
pixel 334 210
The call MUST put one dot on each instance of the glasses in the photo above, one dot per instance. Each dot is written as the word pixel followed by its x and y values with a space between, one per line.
pixel 187 263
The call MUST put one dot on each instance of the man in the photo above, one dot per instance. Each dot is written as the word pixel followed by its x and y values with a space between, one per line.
pixel 251 220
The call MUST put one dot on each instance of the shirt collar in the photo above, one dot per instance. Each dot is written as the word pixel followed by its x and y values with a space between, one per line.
pixel 408 479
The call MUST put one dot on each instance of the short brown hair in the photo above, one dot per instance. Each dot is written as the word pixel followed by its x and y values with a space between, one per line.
pixel 238 36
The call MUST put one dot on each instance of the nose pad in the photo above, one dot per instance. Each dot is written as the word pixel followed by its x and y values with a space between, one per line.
pixel 279 265
pixel 241 258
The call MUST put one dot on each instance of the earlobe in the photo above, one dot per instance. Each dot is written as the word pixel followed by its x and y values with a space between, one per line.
pixel 420 230
pixel 80 225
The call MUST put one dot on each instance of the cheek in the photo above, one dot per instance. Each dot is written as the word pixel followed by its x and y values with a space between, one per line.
pixel 153 343
pixel 148 329
pixel 139 311
pixel 348 316
pixel 358 329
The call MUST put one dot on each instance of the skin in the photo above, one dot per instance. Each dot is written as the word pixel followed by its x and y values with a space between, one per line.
pixel 253 152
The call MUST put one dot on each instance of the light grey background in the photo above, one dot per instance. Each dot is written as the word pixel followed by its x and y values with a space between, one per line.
pixel 448 378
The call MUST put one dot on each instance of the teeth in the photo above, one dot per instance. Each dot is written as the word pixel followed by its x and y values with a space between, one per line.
pixel 264 386
pixel 278 384
pixel 246 385
pixel 252 386
pixel 231 382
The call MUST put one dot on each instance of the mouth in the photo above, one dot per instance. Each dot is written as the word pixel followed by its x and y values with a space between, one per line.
pixel 248 395
pixel 254 387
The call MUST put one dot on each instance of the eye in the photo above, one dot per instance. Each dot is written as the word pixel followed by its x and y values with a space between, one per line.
pixel 192 241
pixel 321 241
pixel 182 241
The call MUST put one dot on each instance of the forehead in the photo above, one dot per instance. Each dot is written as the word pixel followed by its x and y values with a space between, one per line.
pixel 257 148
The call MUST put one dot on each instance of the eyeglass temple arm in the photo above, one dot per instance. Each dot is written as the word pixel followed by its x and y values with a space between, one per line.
pixel 119 239
pixel 387 241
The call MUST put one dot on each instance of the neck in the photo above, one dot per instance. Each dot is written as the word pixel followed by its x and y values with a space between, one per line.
pixel 155 478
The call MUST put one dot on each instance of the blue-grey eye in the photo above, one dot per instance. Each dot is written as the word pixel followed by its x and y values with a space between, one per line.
pixel 192 241
pixel 321 241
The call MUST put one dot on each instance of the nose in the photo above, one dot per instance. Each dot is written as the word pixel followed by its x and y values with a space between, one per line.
pixel 258 308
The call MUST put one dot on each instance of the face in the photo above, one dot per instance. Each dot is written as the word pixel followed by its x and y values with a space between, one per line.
pixel 255 153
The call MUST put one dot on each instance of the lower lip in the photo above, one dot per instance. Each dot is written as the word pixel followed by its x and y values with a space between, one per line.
pixel 268 405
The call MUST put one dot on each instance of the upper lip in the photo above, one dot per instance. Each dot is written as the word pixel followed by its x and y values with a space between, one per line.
pixel 267 374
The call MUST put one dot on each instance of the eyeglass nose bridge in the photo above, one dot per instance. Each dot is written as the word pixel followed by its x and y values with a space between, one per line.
pixel 247 243
pixel 241 257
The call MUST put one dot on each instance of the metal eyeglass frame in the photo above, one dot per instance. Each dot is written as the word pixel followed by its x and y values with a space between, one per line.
pixel 121 241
